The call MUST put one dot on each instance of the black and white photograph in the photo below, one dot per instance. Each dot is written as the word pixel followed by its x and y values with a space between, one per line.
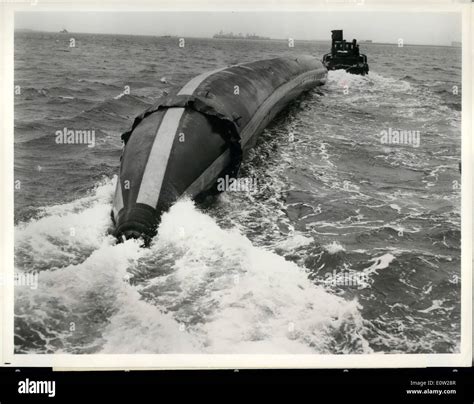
pixel 238 182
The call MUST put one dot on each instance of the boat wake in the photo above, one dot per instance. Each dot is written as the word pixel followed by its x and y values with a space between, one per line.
pixel 198 288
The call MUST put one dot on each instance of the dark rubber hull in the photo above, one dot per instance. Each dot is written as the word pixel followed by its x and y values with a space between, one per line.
pixel 185 142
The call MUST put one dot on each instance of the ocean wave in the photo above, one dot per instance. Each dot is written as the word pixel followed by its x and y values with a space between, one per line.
pixel 334 199
pixel 199 288
pixel 108 115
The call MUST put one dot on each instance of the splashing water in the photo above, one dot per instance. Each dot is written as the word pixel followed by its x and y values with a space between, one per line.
pixel 199 288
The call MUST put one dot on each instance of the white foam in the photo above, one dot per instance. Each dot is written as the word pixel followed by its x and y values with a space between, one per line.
pixel 436 305
pixel 65 230
pixel 249 298
pixel 334 247
pixel 381 262
pixel 293 242
pixel 394 206
pixel 207 289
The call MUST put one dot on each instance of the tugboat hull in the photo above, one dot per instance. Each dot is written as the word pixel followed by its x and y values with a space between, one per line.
pixel 345 55
pixel 358 68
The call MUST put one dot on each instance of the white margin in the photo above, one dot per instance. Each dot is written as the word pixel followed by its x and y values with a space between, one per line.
pixel 193 361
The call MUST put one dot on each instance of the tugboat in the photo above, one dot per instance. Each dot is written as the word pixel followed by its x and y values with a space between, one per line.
pixel 345 55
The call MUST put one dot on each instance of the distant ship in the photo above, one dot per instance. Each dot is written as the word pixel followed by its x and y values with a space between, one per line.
pixel 231 35
pixel 456 43
pixel 366 41
pixel 64 31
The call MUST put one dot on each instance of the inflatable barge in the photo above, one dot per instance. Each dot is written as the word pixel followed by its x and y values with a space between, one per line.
pixel 185 142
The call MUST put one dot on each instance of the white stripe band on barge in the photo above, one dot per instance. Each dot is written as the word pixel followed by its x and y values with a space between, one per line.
pixel 152 181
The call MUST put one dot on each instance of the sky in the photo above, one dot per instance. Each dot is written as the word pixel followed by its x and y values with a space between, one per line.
pixel 430 28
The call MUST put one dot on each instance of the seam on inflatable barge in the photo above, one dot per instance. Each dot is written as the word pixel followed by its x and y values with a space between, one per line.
pixel 198 103
pixel 252 126
pixel 217 115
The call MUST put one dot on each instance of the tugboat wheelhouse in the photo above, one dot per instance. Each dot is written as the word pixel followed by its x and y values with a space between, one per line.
pixel 345 55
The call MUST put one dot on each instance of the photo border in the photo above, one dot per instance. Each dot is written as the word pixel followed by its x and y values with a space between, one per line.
pixel 228 361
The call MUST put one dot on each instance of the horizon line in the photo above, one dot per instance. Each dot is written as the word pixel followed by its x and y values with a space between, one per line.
pixel 363 41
